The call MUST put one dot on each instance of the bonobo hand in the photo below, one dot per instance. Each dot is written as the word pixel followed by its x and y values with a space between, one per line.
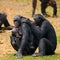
pixel 18 55
pixel 27 21
pixel 24 20
pixel 14 31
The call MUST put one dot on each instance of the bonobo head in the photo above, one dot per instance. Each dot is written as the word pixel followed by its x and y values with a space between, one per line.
pixel 17 20
pixel 3 14
pixel 38 18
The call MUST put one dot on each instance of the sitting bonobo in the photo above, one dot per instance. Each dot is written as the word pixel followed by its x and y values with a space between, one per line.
pixel 22 37
pixel 48 40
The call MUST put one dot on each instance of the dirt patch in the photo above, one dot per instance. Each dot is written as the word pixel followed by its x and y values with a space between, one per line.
pixel 5 46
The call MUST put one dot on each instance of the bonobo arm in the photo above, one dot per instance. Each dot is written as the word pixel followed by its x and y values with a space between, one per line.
pixel 34 29
pixel 5 21
pixel 25 37
pixel 34 3
pixel 44 27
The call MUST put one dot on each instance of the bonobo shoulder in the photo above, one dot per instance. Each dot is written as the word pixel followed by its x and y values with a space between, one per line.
pixel 46 23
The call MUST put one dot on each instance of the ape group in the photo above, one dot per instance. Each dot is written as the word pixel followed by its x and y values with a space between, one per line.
pixel 26 36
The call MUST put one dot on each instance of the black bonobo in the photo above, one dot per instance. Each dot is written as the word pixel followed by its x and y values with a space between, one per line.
pixel 48 42
pixel 22 40
pixel 45 34
pixel 3 20
pixel 44 5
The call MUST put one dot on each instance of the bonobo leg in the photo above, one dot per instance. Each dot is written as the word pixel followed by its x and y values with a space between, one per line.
pixel 27 50
pixel 45 48
pixel 53 4
pixel 34 3
pixel 43 9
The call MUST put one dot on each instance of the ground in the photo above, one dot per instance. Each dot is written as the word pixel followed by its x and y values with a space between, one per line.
pixel 13 8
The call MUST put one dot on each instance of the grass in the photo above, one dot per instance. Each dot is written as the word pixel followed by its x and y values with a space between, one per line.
pixel 52 57
pixel 58 38
pixel 11 57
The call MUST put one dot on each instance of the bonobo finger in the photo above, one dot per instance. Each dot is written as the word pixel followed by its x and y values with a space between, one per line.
pixel 13 30
pixel 26 21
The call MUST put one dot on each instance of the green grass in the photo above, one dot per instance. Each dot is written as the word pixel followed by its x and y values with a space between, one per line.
pixel 52 57
pixel 58 39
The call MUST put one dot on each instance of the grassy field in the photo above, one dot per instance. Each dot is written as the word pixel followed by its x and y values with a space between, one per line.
pixel 52 57
pixel 23 7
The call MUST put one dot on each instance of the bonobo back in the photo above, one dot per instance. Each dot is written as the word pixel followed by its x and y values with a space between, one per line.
pixel 50 33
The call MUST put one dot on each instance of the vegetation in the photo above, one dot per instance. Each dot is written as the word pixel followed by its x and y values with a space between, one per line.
pixel 53 57
pixel 58 38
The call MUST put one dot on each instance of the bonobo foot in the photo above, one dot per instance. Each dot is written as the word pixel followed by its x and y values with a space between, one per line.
pixel 37 54
pixel 19 55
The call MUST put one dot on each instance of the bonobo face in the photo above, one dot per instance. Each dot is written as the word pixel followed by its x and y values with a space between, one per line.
pixel 16 23
pixel 37 20
pixel 17 20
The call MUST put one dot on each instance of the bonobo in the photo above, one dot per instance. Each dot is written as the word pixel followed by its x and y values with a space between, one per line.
pixel 22 37
pixel 45 34
pixel 3 20
pixel 48 42
pixel 44 5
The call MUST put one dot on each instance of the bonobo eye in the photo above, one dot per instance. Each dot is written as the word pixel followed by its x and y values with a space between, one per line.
pixel 16 23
